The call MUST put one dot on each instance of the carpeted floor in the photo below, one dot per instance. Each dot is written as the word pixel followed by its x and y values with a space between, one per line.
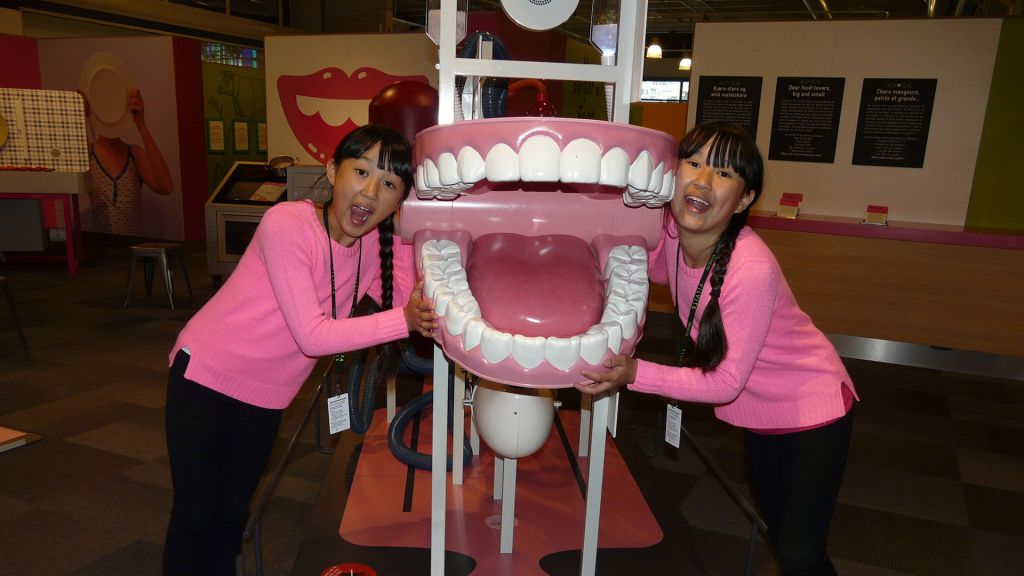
pixel 934 485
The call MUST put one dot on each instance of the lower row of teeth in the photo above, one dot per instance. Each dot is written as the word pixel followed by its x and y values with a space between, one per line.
pixel 626 288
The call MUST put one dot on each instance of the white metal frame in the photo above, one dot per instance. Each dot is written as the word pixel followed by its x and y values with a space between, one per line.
pixel 625 74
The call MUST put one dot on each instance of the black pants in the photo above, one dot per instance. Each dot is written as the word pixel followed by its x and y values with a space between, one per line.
pixel 795 478
pixel 218 449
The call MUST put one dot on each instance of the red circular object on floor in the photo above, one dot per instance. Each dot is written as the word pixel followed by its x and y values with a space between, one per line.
pixel 349 569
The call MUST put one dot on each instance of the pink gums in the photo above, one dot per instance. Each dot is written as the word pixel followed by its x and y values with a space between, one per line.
pixel 536 286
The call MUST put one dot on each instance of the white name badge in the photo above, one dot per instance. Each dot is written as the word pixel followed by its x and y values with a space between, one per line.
pixel 673 425
pixel 337 413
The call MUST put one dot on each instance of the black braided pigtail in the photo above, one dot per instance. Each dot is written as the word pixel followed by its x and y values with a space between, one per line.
pixel 388 354
pixel 712 343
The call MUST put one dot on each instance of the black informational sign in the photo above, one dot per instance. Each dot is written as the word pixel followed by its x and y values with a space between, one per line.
pixel 892 127
pixel 733 98
pixel 805 123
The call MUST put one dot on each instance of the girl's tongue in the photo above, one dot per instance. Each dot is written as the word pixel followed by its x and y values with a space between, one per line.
pixel 359 215
pixel 697 205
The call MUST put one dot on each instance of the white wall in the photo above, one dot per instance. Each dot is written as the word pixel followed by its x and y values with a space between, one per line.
pixel 960 54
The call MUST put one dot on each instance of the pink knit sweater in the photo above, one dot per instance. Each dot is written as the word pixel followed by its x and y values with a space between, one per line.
pixel 779 371
pixel 259 337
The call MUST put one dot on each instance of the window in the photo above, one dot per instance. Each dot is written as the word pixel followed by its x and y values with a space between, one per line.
pixel 666 90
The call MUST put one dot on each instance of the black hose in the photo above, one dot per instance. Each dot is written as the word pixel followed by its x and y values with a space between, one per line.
pixel 396 431
pixel 494 96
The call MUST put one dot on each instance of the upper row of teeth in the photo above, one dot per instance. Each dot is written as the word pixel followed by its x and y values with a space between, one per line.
pixel 540 159
pixel 626 289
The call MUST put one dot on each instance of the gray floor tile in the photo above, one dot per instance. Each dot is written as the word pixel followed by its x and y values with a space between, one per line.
pixel 936 499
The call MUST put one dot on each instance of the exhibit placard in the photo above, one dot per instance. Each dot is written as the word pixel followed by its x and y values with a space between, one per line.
pixel 805 122
pixel 893 122
pixel 730 98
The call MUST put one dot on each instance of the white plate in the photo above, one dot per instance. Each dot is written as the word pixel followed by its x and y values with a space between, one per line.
pixel 539 14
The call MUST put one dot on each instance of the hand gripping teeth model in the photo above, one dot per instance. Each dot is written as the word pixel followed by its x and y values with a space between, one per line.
pixel 531 237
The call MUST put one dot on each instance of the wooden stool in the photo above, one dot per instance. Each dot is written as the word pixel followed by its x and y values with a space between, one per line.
pixel 5 287
pixel 157 253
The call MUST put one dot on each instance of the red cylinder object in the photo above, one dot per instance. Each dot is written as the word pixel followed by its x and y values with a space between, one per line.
pixel 406 106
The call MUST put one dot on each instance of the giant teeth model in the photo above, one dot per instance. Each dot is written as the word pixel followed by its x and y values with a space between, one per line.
pixel 532 235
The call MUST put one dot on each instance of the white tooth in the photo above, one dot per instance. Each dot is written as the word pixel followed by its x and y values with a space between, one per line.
pixel 538 159
pixel 562 353
pixel 502 164
pixel 614 332
pixel 638 253
pixel 495 345
pixel 459 285
pixel 448 169
pixel 668 188
pixel 448 247
pixel 580 162
pixel 639 172
pixel 430 247
pixel 528 351
pixel 472 331
pixel 458 313
pixel 594 345
pixel 432 175
pixel 451 265
pixel 432 280
pixel 471 166
pixel 654 186
pixel 614 167
pixel 429 260
pixel 624 315
pixel 441 298
pixel 421 183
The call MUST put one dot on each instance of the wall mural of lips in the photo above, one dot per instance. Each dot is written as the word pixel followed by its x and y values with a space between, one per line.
pixel 322 107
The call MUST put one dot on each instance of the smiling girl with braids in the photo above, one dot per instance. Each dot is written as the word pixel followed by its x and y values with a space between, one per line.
pixel 757 357
pixel 242 358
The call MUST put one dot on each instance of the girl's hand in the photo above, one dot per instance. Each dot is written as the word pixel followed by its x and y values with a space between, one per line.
pixel 621 371
pixel 136 106
pixel 419 313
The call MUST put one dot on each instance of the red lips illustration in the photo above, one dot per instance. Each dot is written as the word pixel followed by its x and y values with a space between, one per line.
pixel 318 137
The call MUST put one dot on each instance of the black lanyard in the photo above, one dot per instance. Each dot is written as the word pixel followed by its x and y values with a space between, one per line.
pixel 339 358
pixel 683 349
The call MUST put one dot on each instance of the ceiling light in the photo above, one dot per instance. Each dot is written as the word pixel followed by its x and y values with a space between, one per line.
pixel 654 50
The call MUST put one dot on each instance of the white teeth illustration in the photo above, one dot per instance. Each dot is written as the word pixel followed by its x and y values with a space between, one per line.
pixel 422 190
pixel 448 170
pixel 433 177
pixel 615 333
pixel 668 188
pixel 562 353
pixel 639 172
pixel 502 164
pixel 441 298
pixel 472 332
pixel 538 159
pixel 626 288
pixel 495 345
pixel 528 351
pixel 655 184
pixel 471 166
pixel 623 315
pixel 580 162
pixel 594 345
pixel 460 309
pixel 615 168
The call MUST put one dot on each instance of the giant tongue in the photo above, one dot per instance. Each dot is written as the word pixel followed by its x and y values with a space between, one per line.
pixel 536 286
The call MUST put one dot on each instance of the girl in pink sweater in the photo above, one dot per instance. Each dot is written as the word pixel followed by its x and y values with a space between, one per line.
pixel 242 358
pixel 754 354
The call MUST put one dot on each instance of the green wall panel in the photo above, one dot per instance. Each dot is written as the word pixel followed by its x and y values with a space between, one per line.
pixel 997 197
